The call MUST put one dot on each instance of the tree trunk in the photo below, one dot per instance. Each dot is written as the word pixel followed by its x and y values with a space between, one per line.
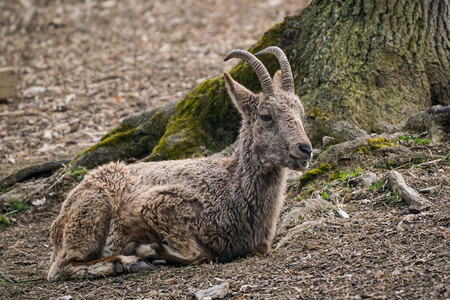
pixel 367 62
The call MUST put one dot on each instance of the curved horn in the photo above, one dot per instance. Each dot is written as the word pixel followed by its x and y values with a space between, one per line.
pixel 257 66
pixel 287 80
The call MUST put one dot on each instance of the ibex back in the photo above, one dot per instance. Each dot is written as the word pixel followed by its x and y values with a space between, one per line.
pixel 121 217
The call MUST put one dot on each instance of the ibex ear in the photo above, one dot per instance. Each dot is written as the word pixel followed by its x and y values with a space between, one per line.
pixel 242 98
pixel 277 79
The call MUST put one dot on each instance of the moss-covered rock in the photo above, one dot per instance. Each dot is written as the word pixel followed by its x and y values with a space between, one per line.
pixel 134 137
pixel 313 174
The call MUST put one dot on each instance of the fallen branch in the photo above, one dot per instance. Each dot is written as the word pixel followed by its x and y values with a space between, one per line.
pixel 32 171
pixel 411 196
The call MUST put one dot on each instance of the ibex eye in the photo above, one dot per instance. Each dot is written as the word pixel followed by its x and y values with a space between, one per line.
pixel 265 117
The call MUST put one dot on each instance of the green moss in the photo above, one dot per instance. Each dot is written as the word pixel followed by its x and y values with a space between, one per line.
pixel 374 144
pixel 17 206
pixel 314 173
pixel 113 139
pixel 379 143
pixel 122 128
pixel 318 113
pixel 362 149
pixel 205 118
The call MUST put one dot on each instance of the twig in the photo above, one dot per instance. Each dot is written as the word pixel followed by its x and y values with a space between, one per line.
pixel 425 163
pixel 57 181
pixel 31 279
pixel 12 280
pixel 430 162
pixel 7 279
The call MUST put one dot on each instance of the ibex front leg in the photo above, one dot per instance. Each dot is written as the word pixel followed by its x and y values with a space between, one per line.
pixel 172 213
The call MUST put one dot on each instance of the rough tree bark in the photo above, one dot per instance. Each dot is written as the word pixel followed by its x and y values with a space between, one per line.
pixel 370 62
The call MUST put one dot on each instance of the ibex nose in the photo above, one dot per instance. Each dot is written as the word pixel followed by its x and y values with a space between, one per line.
pixel 305 149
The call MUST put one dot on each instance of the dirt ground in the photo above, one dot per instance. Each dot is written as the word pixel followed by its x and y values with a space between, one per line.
pixel 84 65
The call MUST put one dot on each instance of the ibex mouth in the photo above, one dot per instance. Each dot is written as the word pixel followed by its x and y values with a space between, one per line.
pixel 298 163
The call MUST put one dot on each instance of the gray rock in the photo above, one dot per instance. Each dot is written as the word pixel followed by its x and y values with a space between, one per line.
pixel 33 189
pixel 435 121
pixel 369 178
pixel 228 151
pixel 344 131
pixel 301 211
pixel 328 140
pixel 215 292
pixel 298 230
pixel 386 128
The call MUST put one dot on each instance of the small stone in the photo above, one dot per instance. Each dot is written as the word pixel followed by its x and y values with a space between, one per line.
pixel 67 297
pixel 378 274
pixel 74 125
pixel 69 98
pixel 33 91
pixel 369 178
pixel 215 292
pixel 48 135
pixel 342 213
pixel 246 288
pixel 39 202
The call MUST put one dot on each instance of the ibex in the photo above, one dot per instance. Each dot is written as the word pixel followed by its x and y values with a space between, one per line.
pixel 121 218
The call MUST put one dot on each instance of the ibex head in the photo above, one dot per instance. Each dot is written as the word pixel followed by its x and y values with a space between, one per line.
pixel 273 118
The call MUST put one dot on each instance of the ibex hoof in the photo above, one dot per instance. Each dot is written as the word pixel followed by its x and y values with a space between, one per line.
pixel 118 267
pixel 141 265
pixel 158 262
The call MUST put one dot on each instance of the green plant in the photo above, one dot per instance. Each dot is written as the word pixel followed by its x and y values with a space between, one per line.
pixel 4 220
pixel 5 189
pixel 417 140
pixel 395 198
pixel 324 195
pixel 17 206
pixel 376 185
pixel 405 137
pixel 344 176
pixel 78 173
pixel 422 141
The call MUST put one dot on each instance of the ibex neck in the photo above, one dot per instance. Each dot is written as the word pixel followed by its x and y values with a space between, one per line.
pixel 258 188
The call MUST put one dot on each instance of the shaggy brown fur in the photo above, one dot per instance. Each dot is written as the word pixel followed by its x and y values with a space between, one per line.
pixel 187 211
